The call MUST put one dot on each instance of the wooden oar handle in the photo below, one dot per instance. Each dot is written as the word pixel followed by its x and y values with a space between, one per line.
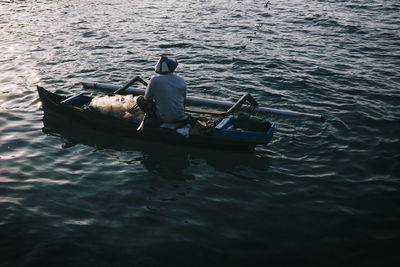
pixel 240 102
pixel 202 111
pixel 126 86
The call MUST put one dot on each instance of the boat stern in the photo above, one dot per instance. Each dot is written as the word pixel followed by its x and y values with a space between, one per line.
pixel 228 128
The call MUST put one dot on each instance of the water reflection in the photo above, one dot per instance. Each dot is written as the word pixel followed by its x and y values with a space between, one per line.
pixel 168 161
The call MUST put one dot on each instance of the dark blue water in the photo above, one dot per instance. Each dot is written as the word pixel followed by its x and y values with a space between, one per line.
pixel 318 194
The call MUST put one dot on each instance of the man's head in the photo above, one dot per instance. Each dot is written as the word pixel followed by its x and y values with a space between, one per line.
pixel 166 65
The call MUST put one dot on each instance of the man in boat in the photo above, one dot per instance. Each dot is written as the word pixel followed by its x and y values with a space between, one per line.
pixel 165 93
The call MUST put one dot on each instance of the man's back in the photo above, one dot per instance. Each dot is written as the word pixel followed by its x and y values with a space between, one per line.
pixel 169 93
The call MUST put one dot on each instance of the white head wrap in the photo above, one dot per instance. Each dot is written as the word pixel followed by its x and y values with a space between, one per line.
pixel 166 65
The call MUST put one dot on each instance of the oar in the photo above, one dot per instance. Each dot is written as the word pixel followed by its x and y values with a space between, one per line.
pixel 247 97
pixel 126 86
pixel 202 111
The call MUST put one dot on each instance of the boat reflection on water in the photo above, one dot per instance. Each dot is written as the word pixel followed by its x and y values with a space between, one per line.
pixel 169 161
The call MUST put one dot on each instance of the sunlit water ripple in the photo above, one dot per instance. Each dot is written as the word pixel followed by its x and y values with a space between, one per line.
pixel 319 193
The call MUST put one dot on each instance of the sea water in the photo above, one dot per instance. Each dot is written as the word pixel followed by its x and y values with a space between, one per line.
pixel 318 194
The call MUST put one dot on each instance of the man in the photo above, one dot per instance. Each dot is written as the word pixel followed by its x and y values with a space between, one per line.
pixel 166 93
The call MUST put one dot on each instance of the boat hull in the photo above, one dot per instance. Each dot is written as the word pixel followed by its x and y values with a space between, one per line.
pixel 52 103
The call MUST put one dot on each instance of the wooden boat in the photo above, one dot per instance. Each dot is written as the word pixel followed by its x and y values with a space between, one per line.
pixel 225 131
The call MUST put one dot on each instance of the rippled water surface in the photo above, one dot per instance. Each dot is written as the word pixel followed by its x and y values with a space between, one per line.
pixel 319 193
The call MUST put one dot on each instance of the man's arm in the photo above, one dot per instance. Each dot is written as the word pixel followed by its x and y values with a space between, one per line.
pixel 149 93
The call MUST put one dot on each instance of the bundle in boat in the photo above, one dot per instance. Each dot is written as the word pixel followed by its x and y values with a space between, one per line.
pixel 122 106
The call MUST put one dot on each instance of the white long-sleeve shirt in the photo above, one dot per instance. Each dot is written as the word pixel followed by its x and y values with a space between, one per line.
pixel 169 94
